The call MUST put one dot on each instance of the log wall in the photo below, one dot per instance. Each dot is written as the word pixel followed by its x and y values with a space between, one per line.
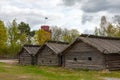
pixel 25 58
pixel 84 56
pixel 113 61
pixel 47 57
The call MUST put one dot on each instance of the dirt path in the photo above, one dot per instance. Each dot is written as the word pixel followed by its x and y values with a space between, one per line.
pixel 10 61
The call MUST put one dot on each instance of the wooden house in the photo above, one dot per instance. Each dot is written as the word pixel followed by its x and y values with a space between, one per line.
pixel 48 54
pixel 27 54
pixel 93 52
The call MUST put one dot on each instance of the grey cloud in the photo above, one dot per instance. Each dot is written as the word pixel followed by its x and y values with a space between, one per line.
pixel 70 2
pixel 101 5
pixel 86 18
pixel 92 6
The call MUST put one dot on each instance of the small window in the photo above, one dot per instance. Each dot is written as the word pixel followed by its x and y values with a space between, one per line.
pixel 75 59
pixel 50 61
pixel 42 61
pixel 90 58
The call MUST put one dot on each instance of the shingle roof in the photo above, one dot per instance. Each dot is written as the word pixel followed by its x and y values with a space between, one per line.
pixel 105 45
pixel 56 46
pixel 32 49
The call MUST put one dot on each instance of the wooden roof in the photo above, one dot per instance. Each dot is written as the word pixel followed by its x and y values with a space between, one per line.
pixel 31 49
pixel 55 46
pixel 104 44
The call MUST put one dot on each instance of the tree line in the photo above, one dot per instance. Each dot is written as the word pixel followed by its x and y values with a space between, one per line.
pixel 13 36
pixel 111 29
pixel 56 34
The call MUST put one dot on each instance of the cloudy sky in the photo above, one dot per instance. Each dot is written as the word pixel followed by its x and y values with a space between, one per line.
pixel 83 15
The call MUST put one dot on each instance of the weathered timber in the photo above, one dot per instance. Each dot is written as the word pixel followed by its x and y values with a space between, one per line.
pixel 93 52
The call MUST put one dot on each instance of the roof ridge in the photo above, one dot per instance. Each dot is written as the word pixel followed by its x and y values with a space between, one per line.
pixel 100 37
pixel 31 45
pixel 59 42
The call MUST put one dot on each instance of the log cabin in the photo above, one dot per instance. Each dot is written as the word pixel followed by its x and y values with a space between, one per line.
pixel 48 54
pixel 92 52
pixel 27 54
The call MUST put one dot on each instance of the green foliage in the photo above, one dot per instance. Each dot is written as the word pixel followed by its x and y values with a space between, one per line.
pixel 23 39
pixel 3 37
pixel 65 35
pixel 25 31
pixel 13 33
pixel 70 35
pixel 32 33
pixel 24 28
pixel 96 32
pixel 111 31
pixel 108 29
pixel 56 33
pixel 41 36
pixel 14 38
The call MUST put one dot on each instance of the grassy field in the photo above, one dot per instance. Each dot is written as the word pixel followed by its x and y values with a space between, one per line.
pixel 17 72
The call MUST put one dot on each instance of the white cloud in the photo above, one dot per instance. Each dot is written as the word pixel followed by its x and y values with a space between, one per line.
pixel 79 14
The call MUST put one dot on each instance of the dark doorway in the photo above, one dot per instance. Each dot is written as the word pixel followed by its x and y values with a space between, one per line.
pixel 32 60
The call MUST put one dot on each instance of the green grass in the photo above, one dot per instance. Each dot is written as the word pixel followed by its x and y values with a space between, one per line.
pixel 17 72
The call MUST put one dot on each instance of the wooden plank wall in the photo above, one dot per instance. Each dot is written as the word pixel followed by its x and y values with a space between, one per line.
pixel 25 58
pixel 47 57
pixel 83 52
pixel 113 61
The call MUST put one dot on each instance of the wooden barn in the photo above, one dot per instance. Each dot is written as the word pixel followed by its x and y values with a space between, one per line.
pixel 27 54
pixel 48 54
pixel 93 52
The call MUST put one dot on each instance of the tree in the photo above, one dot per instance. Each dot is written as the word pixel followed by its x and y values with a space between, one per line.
pixel 65 35
pixel 96 32
pixel 23 38
pixel 3 37
pixel 117 32
pixel 110 30
pixel 70 35
pixel 103 26
pixel 74 33
pixel 41 36
pixel 107 28
pixel 116 21
pixel 56 33
pixel 25 30
pixel 13 38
